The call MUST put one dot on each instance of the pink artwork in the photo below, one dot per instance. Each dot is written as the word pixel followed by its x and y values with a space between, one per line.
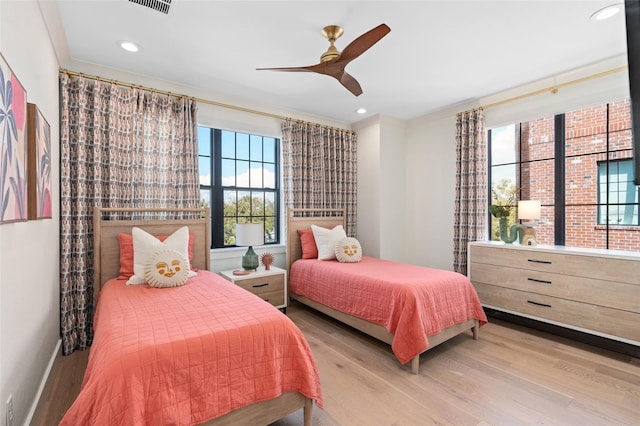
pixel 39 143
pixel 13 148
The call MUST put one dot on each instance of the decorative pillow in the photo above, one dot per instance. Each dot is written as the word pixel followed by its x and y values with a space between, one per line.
pixel 326 240
pixel 145 245
pixel 308 243
pixel 348 250
pixel 126 253
pixel 167 268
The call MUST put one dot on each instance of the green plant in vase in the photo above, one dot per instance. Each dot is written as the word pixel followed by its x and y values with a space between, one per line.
pixel 502 213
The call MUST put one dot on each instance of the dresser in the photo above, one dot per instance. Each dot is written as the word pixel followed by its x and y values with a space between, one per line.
pixel 270 285
pixel 589 290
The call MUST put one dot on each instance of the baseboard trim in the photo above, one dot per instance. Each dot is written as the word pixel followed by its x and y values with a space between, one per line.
pixel 579 336
pixel 44 382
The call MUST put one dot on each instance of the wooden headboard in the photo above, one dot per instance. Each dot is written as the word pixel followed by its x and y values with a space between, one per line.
pixel 303 219
pixel 106 246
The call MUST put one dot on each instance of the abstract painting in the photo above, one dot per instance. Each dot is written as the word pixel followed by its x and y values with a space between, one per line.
pixel 13 147
pixel 39 165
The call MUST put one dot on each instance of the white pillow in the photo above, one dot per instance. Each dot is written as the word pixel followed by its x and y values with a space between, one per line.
pixel 348 250
pixel 326 240
pixel 167 268
pixel 145 245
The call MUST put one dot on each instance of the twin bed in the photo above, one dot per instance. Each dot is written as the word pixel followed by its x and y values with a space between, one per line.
pixel 411 308
pixel 208 352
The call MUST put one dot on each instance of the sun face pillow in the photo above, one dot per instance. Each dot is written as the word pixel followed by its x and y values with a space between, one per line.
pixel 146 245
pixel 166 268
pixel 348 250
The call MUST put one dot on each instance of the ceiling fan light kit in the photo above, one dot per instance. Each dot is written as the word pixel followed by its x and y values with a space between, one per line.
pixel 333 62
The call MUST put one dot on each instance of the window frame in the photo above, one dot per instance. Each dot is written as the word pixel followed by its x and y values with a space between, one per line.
pixel 217 188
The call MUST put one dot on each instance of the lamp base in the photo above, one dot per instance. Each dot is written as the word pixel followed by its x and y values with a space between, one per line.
pixel 528 236
pixel 250 260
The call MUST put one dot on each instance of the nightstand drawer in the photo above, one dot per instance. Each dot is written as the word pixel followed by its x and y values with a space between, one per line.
pixel 262 285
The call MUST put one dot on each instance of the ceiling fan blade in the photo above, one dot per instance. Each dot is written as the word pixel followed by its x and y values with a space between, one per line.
pixel 294 69
pixel 350 83
pixel 360 45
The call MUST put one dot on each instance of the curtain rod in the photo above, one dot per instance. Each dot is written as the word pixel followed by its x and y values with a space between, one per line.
pixel 554 89
pixel 200 100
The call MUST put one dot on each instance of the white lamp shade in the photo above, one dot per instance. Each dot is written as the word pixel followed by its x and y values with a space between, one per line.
pixel 249 234
pixel 529 209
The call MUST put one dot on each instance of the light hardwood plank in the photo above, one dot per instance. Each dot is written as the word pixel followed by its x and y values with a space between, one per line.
pixel 512 375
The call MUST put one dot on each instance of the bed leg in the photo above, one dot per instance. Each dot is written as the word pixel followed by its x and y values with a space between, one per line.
pixel 476 330
pixel 308 408
pixel 415 364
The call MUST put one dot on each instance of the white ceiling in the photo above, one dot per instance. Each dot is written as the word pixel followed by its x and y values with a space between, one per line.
pixel 438 53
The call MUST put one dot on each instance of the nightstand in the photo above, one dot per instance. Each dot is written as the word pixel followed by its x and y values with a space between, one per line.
pixel 270 285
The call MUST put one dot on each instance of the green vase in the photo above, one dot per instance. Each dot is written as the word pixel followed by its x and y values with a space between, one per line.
pixel 508 235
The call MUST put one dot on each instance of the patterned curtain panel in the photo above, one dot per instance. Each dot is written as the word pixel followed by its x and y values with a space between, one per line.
pixel 471 185
pixel 120 147
pixel 320 168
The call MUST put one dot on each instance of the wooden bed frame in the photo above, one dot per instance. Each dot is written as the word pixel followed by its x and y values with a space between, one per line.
pixel 303 219
pixel 107 266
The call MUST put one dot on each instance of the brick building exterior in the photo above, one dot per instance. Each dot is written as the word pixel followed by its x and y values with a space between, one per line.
pixel 586 146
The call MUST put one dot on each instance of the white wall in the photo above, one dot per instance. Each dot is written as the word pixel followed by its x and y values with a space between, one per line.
pixel 430 151
pixel 29 256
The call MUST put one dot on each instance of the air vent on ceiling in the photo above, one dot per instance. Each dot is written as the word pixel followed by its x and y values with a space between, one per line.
pixel 159 5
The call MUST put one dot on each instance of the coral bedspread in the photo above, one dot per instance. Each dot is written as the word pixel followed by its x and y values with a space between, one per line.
pixel 411 302
pixel 186 355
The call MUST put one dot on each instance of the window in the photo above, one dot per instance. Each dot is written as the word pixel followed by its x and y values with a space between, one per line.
pixel 579 165
pixel 617 195
pixel 239 180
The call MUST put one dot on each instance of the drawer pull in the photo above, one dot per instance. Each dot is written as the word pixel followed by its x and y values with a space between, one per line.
pixel 547 262
pixel 539 281
pixel 260 285
pixel 539 304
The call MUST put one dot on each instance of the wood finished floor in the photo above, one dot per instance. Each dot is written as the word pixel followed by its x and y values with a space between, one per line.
pixel 512 375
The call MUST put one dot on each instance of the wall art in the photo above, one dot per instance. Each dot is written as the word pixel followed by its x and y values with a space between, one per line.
pixel 39 164
pixel 13 147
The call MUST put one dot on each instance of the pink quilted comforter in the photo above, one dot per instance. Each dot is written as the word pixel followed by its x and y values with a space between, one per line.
pixel 411 302
pixel 188 354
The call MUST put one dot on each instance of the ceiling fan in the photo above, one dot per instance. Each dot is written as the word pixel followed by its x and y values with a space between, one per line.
pixel 333 62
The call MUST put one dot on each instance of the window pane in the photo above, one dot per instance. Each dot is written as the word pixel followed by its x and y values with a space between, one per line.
pixel 242 146
pixel 228 172
pixel 538 139
pixel 244 204
pixel 230 197
pixel 229 231
pixel 204 168
pixel 503 184
pixel 269 204
pixel 579 229
pixel 620 116
pixel 581 179
pixel 205 198
pixel 204 141
pixel 256 148
pixel 269 176
pixel 538 181
pixel 269 150
pixel 257 204
pixel 228 144
pixel 545 229
pixel 585 131
pixel 242 171
pixel 256 175
pixel 270 232
pixel 503 145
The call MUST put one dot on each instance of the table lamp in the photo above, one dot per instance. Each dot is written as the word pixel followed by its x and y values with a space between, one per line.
pixel 249 235
pixel 528 210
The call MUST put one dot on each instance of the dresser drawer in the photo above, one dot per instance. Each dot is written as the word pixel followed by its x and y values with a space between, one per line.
pixel 596 267
pixel 605 320
pixel 587 290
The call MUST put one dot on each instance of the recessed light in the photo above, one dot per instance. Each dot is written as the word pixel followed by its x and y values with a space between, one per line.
pixel 361 110
pixel 606 12
pixel 129 46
